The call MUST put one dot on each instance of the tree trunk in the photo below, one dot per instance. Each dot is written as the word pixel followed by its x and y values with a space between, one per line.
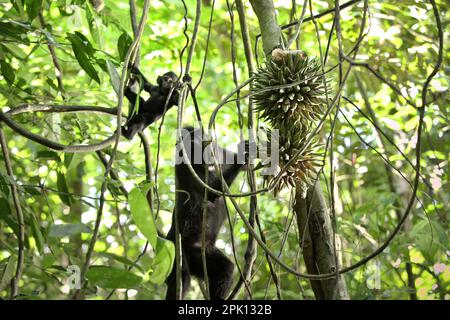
pixel 316 239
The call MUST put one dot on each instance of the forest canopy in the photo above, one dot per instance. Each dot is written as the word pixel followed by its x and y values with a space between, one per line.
pixel 358 90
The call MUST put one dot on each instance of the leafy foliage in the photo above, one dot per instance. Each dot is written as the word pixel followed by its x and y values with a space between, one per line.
pixel 59 192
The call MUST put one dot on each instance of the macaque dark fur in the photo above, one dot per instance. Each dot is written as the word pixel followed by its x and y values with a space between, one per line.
pixel 189 199
pixel 154 107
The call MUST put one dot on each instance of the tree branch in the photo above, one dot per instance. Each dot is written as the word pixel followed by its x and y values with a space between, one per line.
pixel 20 220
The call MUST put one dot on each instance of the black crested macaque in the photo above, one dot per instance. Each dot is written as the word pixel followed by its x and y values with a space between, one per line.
pixel 189 199
pixel 154 107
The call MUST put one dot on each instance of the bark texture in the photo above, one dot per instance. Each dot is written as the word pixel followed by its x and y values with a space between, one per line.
pixel 316 240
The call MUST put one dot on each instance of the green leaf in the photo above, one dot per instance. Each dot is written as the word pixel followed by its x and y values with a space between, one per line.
pixel 18 5
pixel 87 46
pixel 7 71
pixel 102 64
pixel 142 215
pixel 68 229
pixel 163 261
pixel 113 76
pixel 146 185
pixel 14 50
pixel 5 215
pixel 47 154
pixel 51 83
pixel 107 277
pixel 123 44
pixel 94 25
pixel 122 260
pixel 8 267
pixel 15 31
pixel 441 235
pixel 4 185
pixel 5 209
pixel 33 191
pixel 68 159
pixel 429 237
pixel 37 234
pixel 33 8
pixel 82 50
pixel 48 260
pixel 63 190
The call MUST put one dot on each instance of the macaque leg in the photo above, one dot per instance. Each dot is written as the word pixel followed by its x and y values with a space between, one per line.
pixel 172 281
pixel 219 267
pixel 133 126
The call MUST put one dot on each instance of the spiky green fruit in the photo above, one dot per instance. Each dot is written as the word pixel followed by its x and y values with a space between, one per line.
pixel 290 92
pixel 301 171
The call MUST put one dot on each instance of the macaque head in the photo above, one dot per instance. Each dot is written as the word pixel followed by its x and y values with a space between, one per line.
pixel 167 81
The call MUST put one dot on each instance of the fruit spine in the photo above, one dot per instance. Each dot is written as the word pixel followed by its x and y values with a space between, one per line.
pixel 290 93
